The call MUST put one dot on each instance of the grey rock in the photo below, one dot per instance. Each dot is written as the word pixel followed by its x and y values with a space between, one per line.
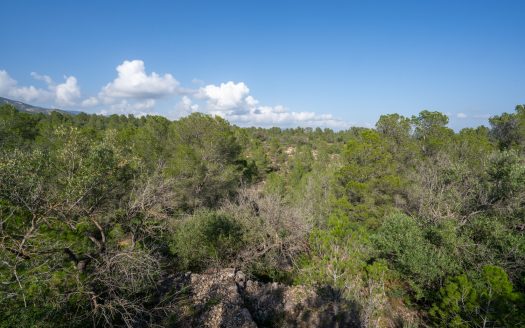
pixel 226 299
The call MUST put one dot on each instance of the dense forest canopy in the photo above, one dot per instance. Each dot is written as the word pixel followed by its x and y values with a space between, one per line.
pixel 415 223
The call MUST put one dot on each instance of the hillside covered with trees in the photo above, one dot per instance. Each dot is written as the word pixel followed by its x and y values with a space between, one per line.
pixel 415 224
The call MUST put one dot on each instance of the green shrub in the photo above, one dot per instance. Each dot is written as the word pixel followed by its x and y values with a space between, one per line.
pixel 207 238
pixel 421 256
pixel 338 255
pixel 479 300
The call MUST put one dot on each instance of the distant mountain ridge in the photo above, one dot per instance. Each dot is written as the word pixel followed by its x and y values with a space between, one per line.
pixel 23 107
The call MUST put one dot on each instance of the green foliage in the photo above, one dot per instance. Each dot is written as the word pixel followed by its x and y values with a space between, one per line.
pixel 509 129
pixel 275 184
pixel 95 210
pixel 368 179
pixel 430 129
pixel 150 140
pixel 422 256
pixel 206 162
pixel 479 300
pixel 473 143
pixel 339 254
pixel 16 129
pixel 494 241
pixel 206 238
pixel 395 127
pixel 507 178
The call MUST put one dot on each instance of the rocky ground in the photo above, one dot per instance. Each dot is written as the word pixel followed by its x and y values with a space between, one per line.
pixel 226 298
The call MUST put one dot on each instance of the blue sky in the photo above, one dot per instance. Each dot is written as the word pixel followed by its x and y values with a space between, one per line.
pixel 266 63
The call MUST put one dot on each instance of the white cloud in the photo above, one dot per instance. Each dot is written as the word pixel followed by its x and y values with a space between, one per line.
pixel 473 116
pixel 90 102
pixel 225 97
pixel 280 116
pixel 186 106
pixel 68 92
pixel 44 78
pixel 126 105
pixel 233 102
pixel 64 94
pixel 134 107
pixel 133 82
pixel 6 82
pixel 30 94
pixel 251 102
pixel 144 105
pixel 9 88
pixel 134 91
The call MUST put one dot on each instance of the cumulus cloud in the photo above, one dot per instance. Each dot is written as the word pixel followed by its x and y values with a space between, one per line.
pixel 68 92
pixel 134 107
pixel 136 91
pixel 30 94
pixel 133 90
pixel 186 105
pixel 461 115
pixel 6 82
pixel 226 96
pixel 133 82
pixel 64 94
pixel 10 88
pixel 251 102
pixel 90 102
pixel 280 116
pixel 125 105
pixel 233 102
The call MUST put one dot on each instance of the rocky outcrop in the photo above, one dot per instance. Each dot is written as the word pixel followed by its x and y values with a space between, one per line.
pixel 225 298
pixel 218 302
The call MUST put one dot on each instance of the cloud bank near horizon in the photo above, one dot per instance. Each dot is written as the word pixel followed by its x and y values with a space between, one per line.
pixel 136 91
pixel 64 94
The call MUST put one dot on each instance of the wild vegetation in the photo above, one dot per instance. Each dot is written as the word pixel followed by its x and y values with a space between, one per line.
pixel 415 223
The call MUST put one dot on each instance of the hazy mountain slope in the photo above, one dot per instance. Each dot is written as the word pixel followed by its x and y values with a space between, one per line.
pixel 23 107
